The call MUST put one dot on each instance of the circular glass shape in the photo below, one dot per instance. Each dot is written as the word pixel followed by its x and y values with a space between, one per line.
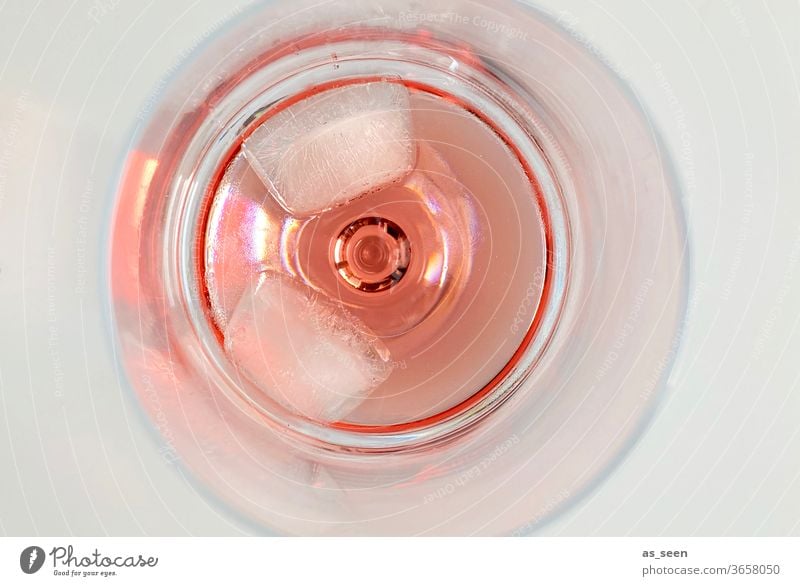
pixel 444 303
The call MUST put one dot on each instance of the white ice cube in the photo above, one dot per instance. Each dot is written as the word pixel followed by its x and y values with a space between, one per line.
pixel 334 146
pixel 304 350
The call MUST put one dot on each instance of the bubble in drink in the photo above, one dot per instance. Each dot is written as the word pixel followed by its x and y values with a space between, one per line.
pixel 334 146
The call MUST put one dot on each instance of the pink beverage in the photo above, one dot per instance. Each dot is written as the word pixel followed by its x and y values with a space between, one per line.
pixel 435 264
pixel 384 269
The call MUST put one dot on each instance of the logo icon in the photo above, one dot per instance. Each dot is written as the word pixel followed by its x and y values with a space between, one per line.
pixel 31 559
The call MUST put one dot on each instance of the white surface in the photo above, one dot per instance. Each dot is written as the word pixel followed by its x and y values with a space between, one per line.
pixel 720 78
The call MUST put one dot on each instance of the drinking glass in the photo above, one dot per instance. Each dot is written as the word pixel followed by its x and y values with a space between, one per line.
pixel 397 267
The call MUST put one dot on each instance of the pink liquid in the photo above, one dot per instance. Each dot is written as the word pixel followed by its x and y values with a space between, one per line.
pixel 445 267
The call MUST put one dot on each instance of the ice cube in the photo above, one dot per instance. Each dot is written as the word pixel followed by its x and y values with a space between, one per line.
pixel 304 350
pixel 334 146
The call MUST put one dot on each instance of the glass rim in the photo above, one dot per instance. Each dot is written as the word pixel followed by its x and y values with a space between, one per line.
pixel 217 144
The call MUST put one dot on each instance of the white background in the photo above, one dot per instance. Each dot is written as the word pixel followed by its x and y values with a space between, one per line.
pixel 721 80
